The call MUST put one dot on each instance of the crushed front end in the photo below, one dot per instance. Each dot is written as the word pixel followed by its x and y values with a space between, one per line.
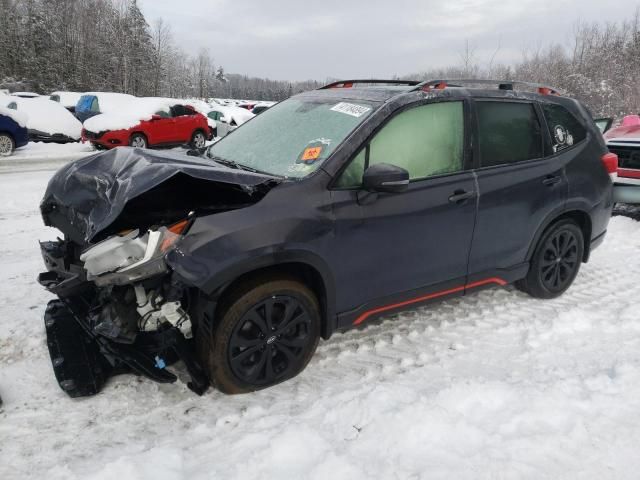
pixel 120 308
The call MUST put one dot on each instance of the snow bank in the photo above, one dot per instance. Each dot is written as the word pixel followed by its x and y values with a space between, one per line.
pixel 136 111
pixel 47 116
pixel 19 117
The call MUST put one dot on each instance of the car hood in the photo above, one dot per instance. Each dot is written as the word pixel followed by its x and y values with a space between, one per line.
pixel 126 188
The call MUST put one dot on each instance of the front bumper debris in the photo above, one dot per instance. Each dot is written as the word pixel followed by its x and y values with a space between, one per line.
pixel 83 361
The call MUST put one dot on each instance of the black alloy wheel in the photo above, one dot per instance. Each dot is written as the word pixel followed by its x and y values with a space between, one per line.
pixel 266 330
pixel 559 260
pixel 269 340
pixel 555 263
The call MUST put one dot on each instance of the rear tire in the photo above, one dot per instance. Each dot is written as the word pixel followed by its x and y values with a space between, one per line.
pixel 555 262
pixel 268 329
pixel 199 140
pixel 138 140
pixel 7 145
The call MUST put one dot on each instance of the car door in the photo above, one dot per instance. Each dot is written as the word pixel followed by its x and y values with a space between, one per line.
pixel 159 128
pixel 519 186
pixel 397 247
pixel 182 124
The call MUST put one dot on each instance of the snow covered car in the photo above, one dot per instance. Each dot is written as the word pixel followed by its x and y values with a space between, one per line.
pixel 228 118
pixel 68 100
pixel 47 121
pixel 13 131
pixel 95 103
pixel 329 209
pixel 148 123
pixel 261 107
pixel 25 94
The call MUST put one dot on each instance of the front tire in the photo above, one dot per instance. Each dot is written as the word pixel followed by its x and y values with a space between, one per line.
pixel 138 140
pixel 555 262
pixel 267 332
pixel 7 145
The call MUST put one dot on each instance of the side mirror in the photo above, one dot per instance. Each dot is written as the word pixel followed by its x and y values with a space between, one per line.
pixel 384 177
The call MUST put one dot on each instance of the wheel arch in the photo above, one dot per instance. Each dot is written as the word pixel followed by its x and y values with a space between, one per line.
pixel 139 132
pixel 583 220
pixel 307 268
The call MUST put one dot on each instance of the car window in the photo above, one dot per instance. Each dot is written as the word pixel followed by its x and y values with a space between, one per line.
pixel 55 98
pixel 95 106
pixel 163 114
pixel 12 106
pixel 508 132
pixel 564 128
pixel 426 141
pixel 215 115
pixel 180 111
pixel 352 175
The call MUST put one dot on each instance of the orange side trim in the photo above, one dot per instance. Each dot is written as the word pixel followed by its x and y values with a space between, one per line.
pixel 424 298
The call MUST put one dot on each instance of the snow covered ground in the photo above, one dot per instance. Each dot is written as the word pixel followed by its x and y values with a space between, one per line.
pixel 44 156
pixel 494 385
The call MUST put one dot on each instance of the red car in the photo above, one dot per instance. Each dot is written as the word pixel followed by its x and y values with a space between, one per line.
pixel 171 126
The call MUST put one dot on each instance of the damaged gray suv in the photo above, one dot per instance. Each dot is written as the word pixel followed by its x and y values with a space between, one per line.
pixel 327 210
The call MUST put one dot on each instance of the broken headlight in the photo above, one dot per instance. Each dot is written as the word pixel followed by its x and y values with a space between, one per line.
pixel 131 256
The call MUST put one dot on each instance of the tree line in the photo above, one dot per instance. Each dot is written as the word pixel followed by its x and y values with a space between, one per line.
pixel 108 45
pixel 600 66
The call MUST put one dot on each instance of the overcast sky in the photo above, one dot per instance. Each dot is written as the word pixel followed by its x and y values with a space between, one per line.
pixel 299 40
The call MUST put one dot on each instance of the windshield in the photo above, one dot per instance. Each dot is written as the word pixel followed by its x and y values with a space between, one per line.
pixel 293 138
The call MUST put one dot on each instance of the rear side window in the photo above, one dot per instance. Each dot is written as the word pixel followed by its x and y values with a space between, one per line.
pixel 564 128
pixel 508 132
pixel 95 105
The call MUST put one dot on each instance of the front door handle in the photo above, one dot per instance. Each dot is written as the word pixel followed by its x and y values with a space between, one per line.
pixel 461 196
pixel 551 180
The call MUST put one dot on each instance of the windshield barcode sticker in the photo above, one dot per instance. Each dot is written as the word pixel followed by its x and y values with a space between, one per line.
pixel 351 109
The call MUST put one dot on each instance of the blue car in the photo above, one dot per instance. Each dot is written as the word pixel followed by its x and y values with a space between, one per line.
pixel 12 134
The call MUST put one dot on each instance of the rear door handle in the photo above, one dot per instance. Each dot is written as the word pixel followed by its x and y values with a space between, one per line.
pixel 551 180
pixel 460 196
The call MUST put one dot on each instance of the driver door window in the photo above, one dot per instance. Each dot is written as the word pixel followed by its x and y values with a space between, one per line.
pixel 426 141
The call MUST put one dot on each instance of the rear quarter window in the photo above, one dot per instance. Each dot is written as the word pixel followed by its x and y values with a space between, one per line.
pixel 565 129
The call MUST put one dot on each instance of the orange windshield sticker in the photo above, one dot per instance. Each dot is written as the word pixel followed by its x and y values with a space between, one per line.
pixel 311 153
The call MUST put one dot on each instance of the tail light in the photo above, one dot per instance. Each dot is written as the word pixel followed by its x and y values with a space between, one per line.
pixel 610 162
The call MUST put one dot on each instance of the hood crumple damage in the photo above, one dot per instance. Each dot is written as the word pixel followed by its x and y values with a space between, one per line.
pixel 93 198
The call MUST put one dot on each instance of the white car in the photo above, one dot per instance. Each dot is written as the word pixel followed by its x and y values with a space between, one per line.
pixel 228 118
pixel 47 121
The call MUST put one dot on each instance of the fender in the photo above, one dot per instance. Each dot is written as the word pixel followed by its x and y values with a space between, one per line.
pixel 551 218
pixel 256 260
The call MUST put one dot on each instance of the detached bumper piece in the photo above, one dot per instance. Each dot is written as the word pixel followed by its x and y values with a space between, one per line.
pixel 83 361
pixel 80 368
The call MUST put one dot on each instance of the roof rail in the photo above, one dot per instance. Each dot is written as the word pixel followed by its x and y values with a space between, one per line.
pixel 502 85
pixel 351 83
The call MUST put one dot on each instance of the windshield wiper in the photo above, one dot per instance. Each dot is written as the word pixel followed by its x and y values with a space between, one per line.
pixel 232 164
pixel 239 166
